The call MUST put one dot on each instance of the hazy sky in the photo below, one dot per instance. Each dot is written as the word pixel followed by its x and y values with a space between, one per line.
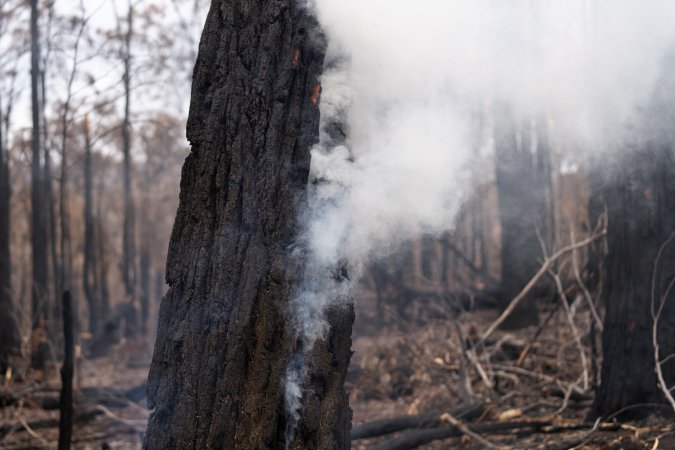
pixel 106 71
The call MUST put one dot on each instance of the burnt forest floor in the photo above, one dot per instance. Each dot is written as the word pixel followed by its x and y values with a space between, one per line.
pixel 532 376
pixel 534 389
pixel 109 403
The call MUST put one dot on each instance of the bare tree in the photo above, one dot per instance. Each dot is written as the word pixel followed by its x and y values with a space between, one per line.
pixel 40 301
pixel 50 214
pixel 66 251
pixel 10 337
pixel 89 263
pixel 128 240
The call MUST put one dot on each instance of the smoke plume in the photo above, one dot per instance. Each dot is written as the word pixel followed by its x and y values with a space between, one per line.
pixel 402 84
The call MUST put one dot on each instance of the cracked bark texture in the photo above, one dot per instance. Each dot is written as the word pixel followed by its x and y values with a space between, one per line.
pixel 223 340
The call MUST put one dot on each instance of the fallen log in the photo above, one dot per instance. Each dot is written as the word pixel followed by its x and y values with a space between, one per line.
pixel 112 432
pixel 426 420
pixel 574 395
pixel 47 398
pixel 10 398
pixel 49 422
pixel 415 438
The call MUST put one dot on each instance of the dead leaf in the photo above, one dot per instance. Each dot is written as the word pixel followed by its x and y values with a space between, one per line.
pixel 510 414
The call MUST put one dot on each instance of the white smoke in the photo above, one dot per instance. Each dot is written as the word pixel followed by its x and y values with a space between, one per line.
pixel 404 79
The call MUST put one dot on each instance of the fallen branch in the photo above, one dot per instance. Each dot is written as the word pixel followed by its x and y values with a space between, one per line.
pixel 31 431
pixel 535 375
pixel 10 398
pixel 586 292
pixel 566 399
pixel 47 397
pixel 481 372
pixel 111 432
pixel 548 262
pixel 49 423
pixel 465 380
pixel 138 424
pixel 575 331
pixel 481 273
pixel 528 346
pixel 415 438
pixel 468 432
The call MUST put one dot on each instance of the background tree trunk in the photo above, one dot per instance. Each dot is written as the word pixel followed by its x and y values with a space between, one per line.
pixel 53 268
pixel 102 262
pixel 639 200
pixel 144 274
pixel 40 301
pixel 129 241
pixel 637 192
pixel 521 188
pixel 89 267
pixel 66 398
pixel 10 339
pixel 223 341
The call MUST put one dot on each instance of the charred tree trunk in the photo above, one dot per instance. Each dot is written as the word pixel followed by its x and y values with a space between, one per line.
pixel 146 242
pixel 522 210
pixel 144 276
pixel 10 339
pixel 637 193
pixel 66 251
pixel 50 213
pixel 66 398
pixel 546 215
pixel 128 239
pixel 50 216
pixel 88 266
pixel 102 264
pixel 40 304
pixel 224 340
pixel 639 204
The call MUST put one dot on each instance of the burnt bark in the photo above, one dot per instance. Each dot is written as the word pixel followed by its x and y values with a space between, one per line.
pixel 636 190
pixel 521 174
pixel 224 338
pixel 10 339
pixel 639 205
